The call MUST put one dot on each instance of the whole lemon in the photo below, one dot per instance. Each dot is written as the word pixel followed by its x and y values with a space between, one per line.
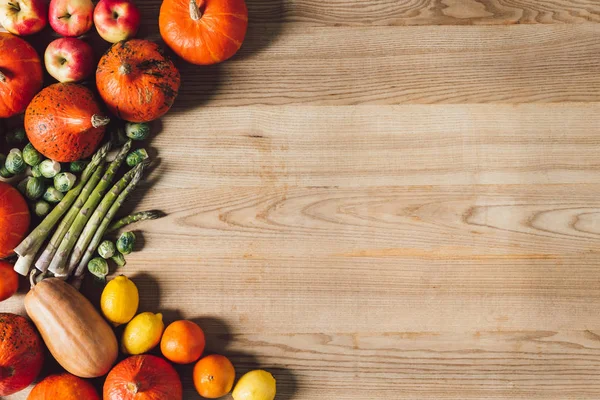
pixel 142 333
pixel 120 300
pixel 255 385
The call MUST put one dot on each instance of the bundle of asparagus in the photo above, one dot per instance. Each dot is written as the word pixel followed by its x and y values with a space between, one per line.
pixel 82 218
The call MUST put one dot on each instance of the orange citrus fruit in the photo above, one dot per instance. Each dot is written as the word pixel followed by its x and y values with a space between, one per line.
pixel 214 376
pixel 183 342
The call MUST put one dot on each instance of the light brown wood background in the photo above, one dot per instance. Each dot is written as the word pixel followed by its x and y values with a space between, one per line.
pixel 388 199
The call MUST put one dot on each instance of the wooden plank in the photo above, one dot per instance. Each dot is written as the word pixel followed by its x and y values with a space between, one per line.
pixel 388 65
pixel 379 146
pixel 414 12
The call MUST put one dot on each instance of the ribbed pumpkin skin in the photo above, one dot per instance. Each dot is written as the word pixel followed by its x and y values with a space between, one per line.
pixel 143 377
pixel 216 36
pixel 14 219
pixel 63 387
pixel 58 122
pixel 76 335
pixel 136 81
pixel 23 72
pixel 21 353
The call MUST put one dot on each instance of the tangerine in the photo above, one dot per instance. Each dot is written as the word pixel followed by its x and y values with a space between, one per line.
pixel 183 342
pixel 214 376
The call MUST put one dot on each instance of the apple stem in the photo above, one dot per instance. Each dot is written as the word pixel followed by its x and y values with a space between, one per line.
pixel 15 6
pixel 2 77
pixel 99 120
pixel 195 12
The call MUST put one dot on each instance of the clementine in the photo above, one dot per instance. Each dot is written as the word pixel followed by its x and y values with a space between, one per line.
pixel 9 281
pixel 214 376
pixel 183 342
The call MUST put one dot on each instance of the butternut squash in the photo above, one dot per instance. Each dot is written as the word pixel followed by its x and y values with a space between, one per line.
pixel 77 336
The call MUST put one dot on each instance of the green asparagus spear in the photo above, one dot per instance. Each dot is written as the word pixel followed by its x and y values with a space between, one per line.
pixel 34 240
pixel 99 213
pixel 99 233
pixel 136 217
pixel 46 257
pixel 58 263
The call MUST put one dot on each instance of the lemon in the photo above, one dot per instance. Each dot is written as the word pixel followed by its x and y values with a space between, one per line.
pixel 120 300
pixel 142 333
pixel 255 385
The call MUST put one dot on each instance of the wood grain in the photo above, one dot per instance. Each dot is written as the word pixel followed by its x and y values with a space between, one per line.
pixel 374 201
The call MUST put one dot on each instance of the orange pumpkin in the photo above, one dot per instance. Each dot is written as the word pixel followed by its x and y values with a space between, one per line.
pixel 203 32
pixel 136 81
pixel 64 122
pixel 14 219
pixel 64 387
pixel 20 74
pixel 21 354
pixel 143 377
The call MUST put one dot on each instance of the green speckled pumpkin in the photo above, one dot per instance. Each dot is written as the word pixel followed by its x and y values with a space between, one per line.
pixel 136 81
pixel 64 122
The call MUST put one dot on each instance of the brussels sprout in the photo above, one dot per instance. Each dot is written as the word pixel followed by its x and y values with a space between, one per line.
pixel 139 131
pixel 107 249
pixel 14 162
pixel 36 172
pixel 17 136
pixel 52 195
pixel 49 168
pixel 78 166
pixel 22 186
pixel 64 181
pixel 3 172
pixel 136 157
pixel 98 267
pixel 119 259
pixel 35 188
pixel 41 208
pixel 31 156
pixel 126 242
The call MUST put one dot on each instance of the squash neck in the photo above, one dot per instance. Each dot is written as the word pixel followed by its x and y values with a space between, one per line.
pixel 99 120
pixel 197 9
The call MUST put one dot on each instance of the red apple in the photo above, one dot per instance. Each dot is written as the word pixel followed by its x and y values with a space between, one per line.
pixel 23 17
pixel 69 59
pixel 71 18
pixel 116 20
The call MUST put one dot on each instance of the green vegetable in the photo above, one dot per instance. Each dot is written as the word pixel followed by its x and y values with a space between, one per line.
pixel 119 259
pixel 22 186
pixel 78 166
pixel 3 171
pixel 137 131
pixel 118 137
pixel 35 188
pixel 36 172
pixel 136 217
pixel 136 157
pixel 14 162
pixel 31 156
pixel 107 249
pixel 58 265
pixel 98 267
pixel 17 136
pixel 126 242
pixel 52 195
pixel 49 168
pixel 101 230
pixel 64 181
pixel 41 208
pixel 29 247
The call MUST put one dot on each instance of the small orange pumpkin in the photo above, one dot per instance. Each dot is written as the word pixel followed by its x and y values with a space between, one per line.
pixel 64 387
pixel 203 32
pixel 20 74
pixel 14 219
pixel 64 122
pixel 136 81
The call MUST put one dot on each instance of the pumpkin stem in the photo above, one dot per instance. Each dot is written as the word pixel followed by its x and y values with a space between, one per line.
pixel 2 77
pixel 134 387
pixel 32 277
pixel 195 11
pixel 125 69
pixel 99 120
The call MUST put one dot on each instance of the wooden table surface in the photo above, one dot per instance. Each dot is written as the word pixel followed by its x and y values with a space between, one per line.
pixel 387 199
